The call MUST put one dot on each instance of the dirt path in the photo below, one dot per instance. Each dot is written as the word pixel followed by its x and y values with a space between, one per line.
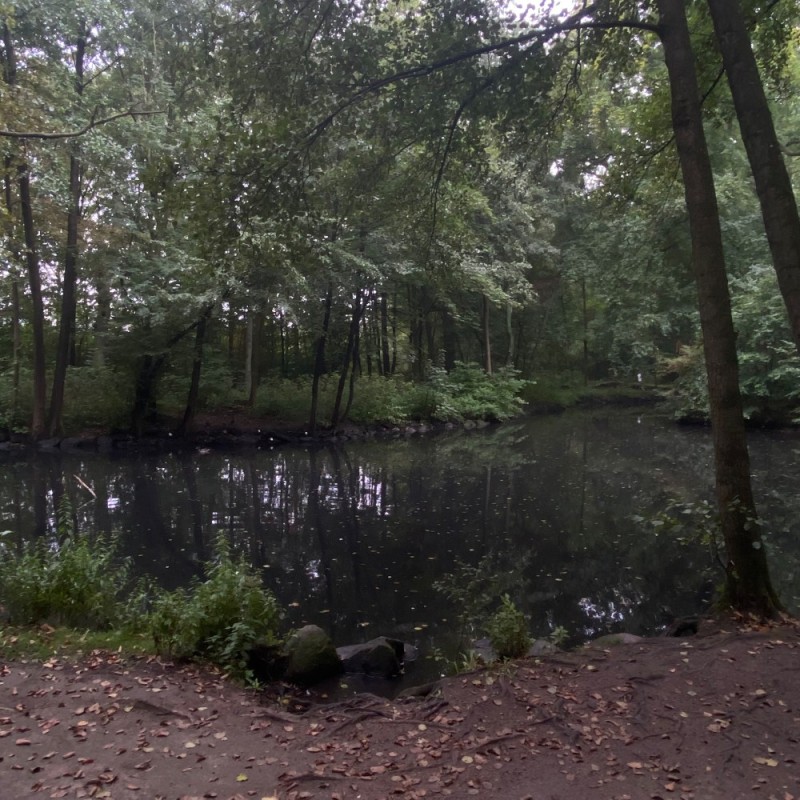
pixel 712 716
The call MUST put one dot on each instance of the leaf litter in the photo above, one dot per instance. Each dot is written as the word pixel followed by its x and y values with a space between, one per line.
pixel 716 716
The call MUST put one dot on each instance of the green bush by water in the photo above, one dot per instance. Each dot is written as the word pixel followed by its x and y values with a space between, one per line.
pixel 464 393
pixel 78 582
pixel 508 630
pixel 218 618
pixel 82 583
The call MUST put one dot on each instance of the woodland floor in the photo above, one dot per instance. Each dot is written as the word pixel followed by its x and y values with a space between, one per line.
pixel 715 715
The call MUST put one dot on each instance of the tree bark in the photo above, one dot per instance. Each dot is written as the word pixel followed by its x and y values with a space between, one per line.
pixel 197 368
pixel 38 415
pixel 16 315
pixel 255 358
pixel 319 360
pixel 385 358
pixel 748 585
pixel 487 337
pixel 773 185
pixel 510 352
pixel 350 351
pixel 66 329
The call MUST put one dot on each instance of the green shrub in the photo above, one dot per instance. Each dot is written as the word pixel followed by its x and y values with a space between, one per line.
pixel 78 583
pixel 508 630
pixel 218 618
pixel 466 392
pixel 95 397
pixel 378 399
pixel 290 399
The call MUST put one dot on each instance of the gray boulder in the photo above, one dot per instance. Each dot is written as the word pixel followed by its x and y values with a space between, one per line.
pixel 381 657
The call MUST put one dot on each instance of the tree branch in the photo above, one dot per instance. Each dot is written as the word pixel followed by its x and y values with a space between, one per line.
pixel 573 23
pixel 92 123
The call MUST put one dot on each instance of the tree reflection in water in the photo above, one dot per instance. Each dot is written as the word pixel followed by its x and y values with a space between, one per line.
pixel 353 538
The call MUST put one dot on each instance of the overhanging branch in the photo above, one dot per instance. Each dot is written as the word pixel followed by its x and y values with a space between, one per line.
pixel 574 23
pixel 92 123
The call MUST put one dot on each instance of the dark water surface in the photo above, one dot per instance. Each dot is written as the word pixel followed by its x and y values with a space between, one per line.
pixel 354 538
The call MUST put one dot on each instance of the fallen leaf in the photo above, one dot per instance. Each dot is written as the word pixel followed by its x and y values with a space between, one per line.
pixel 241 777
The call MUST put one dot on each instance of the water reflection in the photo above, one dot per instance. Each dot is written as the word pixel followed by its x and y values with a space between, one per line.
pixel 354 538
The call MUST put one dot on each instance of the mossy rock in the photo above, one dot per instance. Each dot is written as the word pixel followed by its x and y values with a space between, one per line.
pixel 310 656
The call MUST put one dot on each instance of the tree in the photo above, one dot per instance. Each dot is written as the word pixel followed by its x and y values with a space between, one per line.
pixel 773 184
pixel 31 247
pixel 748 586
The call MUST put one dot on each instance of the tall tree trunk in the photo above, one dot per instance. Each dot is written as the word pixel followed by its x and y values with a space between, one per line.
pixel 354 371
pixel 748 585
pixel 144 404
pixel 197 367
pixel 255 324
pixel 486 338
pixel 102 317
pixel 38 415
pixel 585 316
pixel 248 355
pixel 16 316
pixel 449 339
pixel 319 360
pixel 385 359
pixel 394 333
pixel 510 353
pixel 66 329
pixel 773 185
pixel 352 339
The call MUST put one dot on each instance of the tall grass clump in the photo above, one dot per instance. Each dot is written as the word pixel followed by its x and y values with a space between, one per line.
pixel 78 582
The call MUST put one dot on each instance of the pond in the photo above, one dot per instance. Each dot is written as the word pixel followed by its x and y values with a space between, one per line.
pixel 558 511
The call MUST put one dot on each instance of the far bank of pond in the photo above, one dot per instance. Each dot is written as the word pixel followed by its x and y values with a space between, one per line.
pixel 353 536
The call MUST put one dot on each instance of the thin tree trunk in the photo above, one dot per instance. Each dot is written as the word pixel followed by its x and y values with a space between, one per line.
pixel 101 322
pixel 352 336
pixel 15 300
pixel 66 329
pixel 197 367
pixel 510 354
pixel 354 371
pixel 248 355
pixel 773 184
pixel 38 416
pixel 748 585
pixel 319 360
pixel 255 324
pixel 385 359
pixel 394 334
pixel 487 338
pixel 585 316
pixel 449 340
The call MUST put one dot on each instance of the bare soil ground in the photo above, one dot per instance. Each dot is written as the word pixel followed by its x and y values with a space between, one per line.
pixel 715 715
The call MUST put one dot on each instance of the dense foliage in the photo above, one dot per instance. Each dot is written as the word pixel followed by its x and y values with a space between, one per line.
pixel 201 204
